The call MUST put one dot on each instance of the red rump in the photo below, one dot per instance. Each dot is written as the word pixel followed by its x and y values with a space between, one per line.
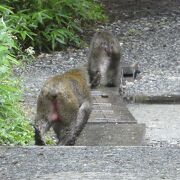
pixel 54 114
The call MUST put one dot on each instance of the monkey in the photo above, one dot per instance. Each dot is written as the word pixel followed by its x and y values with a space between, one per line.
pixel 128 71
pixel 136 71
pixel 64 103
pixel 103 59
pixel 131 70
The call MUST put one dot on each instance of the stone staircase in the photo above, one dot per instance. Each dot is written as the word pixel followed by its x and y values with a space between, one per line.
pixel 111 123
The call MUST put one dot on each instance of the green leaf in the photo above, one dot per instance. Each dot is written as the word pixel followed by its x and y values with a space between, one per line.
pixel 5 9
pixel 23 34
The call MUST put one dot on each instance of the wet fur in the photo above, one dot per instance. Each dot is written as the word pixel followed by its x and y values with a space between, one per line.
pixel 64 104
pixel 104 58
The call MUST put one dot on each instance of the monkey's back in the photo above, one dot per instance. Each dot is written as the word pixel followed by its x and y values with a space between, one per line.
pixel 69 89
pixel 106 42
pixel 104 59
pixel 71 81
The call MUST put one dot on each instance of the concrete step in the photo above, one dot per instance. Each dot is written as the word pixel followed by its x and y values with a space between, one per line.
pixel 112 134
pixel 111 123
pixel 87 163
pixel 108 106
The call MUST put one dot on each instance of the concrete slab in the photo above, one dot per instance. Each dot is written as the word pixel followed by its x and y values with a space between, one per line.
pixel 75 163
pixel 174 99
pixel 109 107
pixel 110 122
pixel 112 134
pixel 162 122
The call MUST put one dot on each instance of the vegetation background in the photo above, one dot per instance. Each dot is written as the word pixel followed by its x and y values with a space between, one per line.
pixel 28 27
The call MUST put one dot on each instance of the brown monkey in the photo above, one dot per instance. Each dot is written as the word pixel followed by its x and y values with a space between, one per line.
pixel 103 60
pixel 64 104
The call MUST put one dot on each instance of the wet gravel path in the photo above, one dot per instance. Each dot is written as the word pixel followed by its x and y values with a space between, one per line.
pixel 154 42
pixel 150 33
pixel 75 163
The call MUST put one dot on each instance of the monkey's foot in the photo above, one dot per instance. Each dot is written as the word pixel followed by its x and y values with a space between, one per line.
pixel 111 84
pixel 68 142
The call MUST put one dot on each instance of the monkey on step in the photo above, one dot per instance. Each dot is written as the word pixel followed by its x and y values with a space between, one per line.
pixel 64 104
pixel 103 60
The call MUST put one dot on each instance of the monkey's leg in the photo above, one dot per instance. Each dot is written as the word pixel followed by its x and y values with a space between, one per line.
pixel 96 80
pixel 82 118
pixel 40 131
pixel 112 74
pixel 57 127
pixel 111 79
pixel 38 137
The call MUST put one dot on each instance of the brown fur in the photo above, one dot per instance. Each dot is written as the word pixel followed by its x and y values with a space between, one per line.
pixel 103 60
pixel 64 104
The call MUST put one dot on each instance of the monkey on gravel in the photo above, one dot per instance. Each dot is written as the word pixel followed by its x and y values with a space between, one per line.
pixel 64 104
pixel 103 60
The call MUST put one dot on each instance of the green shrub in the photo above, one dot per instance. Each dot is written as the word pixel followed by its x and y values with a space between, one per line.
pixel 14 129
pixel 40 25
pixel 50 24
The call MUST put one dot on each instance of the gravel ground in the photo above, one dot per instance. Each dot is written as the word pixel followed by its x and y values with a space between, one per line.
pixel 150 33
pixel 153 41
pixel 85 163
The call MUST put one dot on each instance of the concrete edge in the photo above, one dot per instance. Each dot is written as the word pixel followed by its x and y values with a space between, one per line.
pixel 86 147
pixel 119 122
pixel 174 99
